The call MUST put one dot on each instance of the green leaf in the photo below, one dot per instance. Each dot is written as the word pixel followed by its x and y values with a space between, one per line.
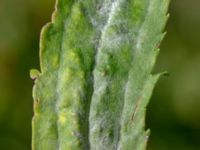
pixel 95 82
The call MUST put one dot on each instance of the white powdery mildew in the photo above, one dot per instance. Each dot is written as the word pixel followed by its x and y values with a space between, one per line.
pixel 115 32
pixel 102 10
pixel 142 32
pixel 114 42
pixel 105 8
pixel 101 82
pixel 114 9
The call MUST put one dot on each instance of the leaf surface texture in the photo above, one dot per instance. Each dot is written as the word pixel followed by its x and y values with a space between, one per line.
pixel 96 58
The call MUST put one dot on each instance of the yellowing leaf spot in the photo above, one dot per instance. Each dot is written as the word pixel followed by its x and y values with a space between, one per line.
pixel 62 118
pixel 73 56
pixel 55 61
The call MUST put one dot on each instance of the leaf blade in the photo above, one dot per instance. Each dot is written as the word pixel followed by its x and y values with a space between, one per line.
pixel 78 109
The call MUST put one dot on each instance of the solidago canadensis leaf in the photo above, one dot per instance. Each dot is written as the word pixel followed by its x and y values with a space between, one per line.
pixel 96 58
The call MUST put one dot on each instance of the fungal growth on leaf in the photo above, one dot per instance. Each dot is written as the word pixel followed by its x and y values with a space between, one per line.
pixel 95 81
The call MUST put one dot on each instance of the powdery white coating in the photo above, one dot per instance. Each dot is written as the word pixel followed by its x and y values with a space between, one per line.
pixel 93 89
pixel 115 8
pixel 102 10
pixel 105 135
pixel 101 83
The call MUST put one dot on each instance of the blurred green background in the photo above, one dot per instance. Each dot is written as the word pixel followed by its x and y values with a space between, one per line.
pixel 174 111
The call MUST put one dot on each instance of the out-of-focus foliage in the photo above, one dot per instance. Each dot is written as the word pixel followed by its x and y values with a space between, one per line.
pixel 173 114
pixel 20 25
